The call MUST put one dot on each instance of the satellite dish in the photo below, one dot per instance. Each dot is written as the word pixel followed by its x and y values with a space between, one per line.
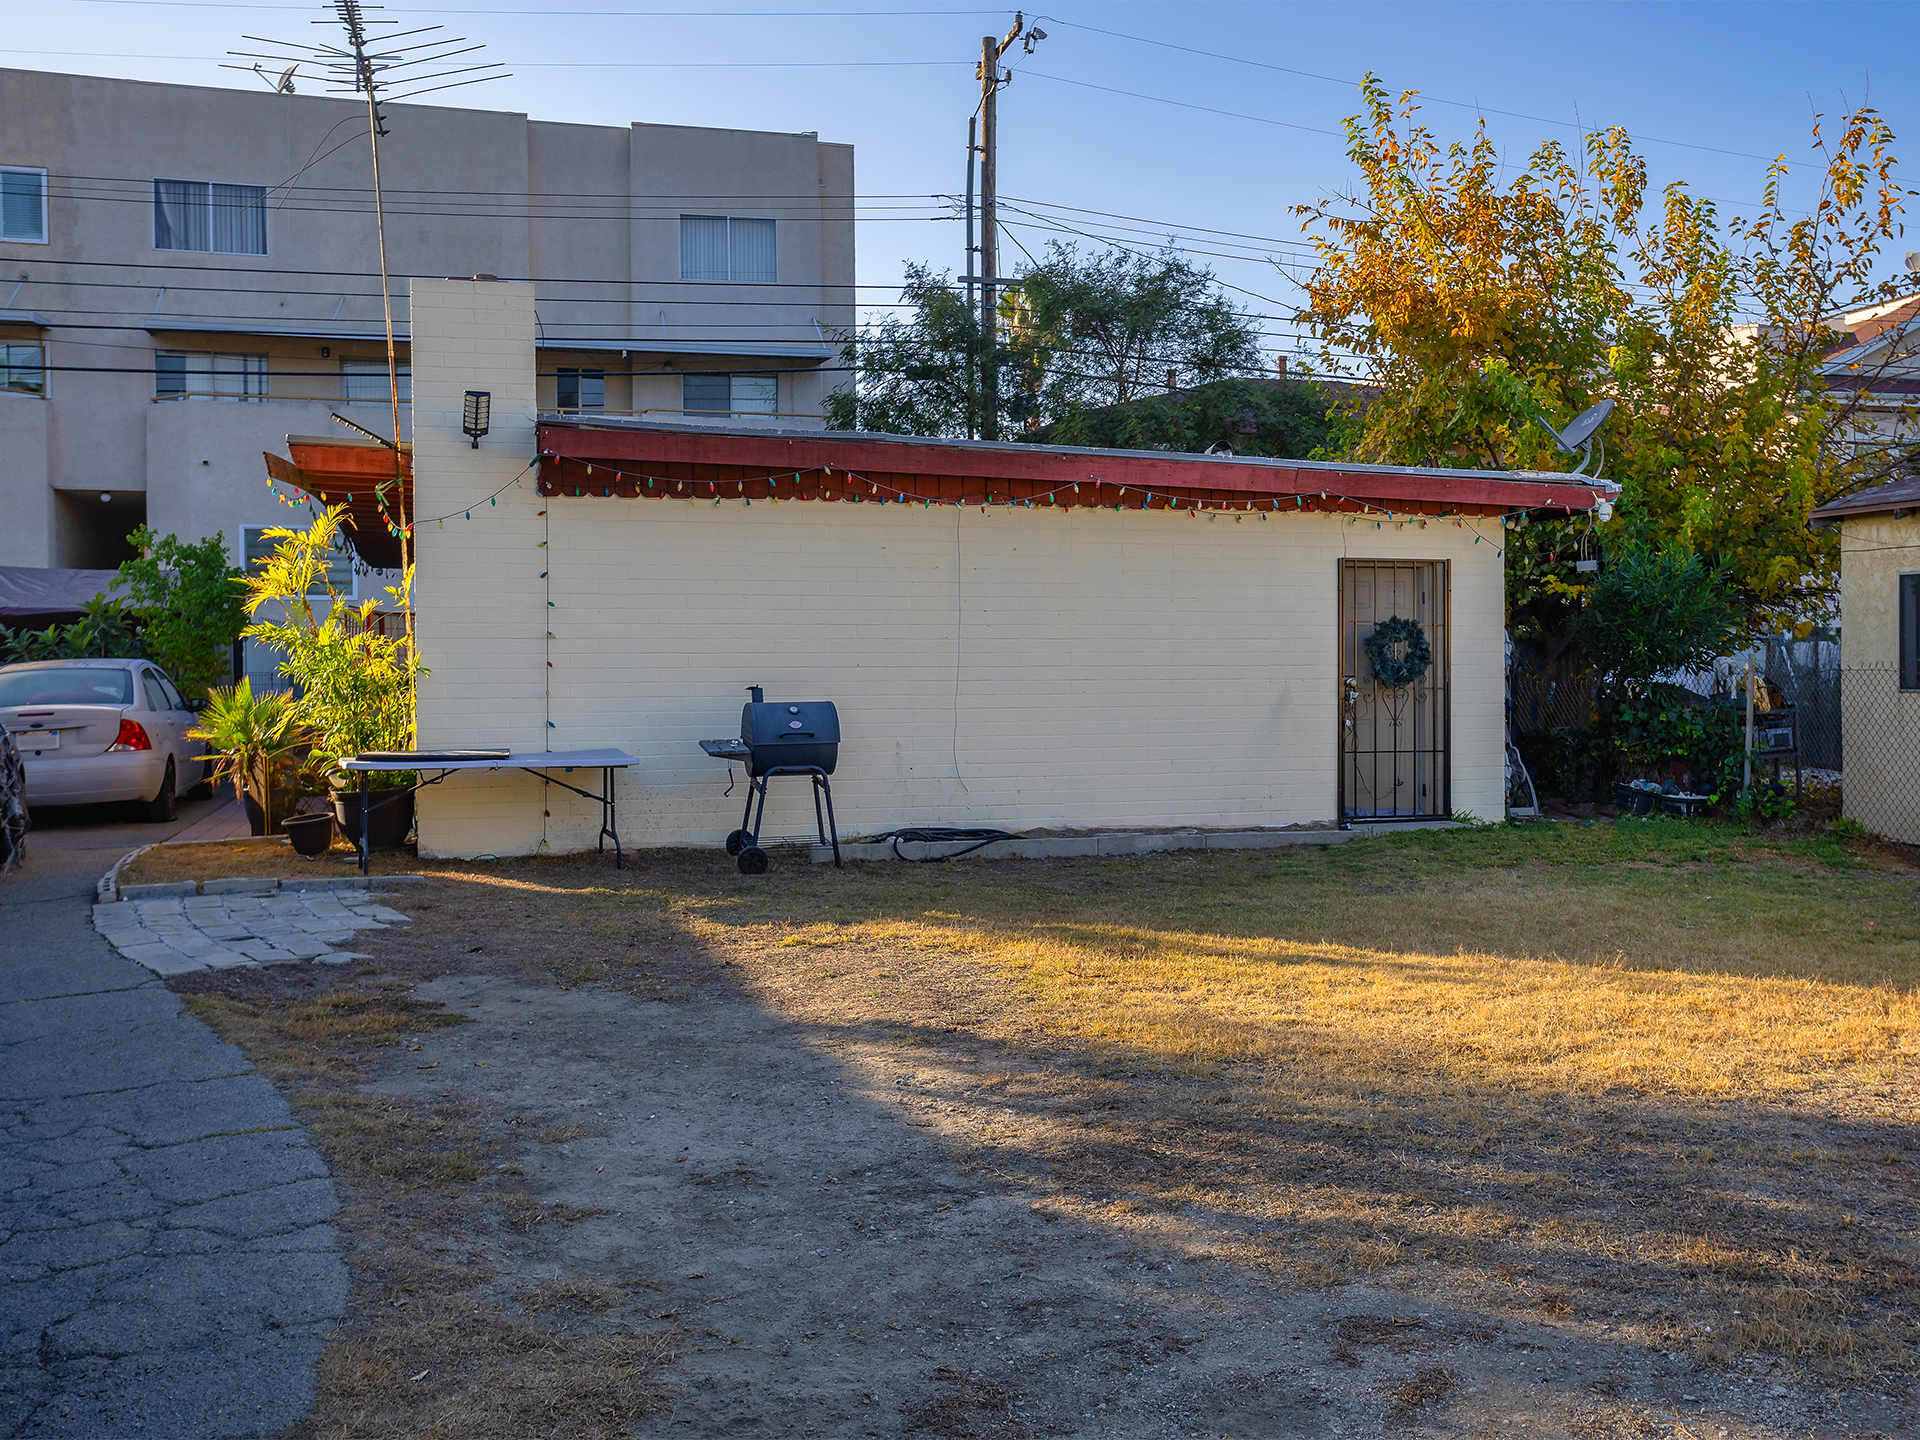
pixel 1577 438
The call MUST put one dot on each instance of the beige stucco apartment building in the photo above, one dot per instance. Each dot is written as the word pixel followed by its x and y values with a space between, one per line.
pixel 188 275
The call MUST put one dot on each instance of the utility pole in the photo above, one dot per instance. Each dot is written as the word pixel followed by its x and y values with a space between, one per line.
pixel 990 82
pixel 973 361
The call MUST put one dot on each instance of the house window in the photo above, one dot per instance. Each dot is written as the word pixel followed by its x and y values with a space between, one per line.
pixel 580 390
pixel 727 247
pixel 23 204
pixel 218 219
pixel 256 548
pixel 23 368
pixel 181 375
pixel 367 380
pixel 730 394
pixel 1910 632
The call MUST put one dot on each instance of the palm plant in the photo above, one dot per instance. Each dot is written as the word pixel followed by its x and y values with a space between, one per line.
pixel 256 736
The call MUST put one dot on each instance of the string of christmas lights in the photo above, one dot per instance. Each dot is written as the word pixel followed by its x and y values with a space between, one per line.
pixel 880 492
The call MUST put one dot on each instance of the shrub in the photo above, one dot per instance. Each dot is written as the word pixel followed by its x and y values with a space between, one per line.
pixel 189 603
pixel 106 630
pixel 1656 611
pixel 356 685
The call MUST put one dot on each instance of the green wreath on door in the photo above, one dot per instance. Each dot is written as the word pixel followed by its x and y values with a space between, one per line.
pixel 1396 672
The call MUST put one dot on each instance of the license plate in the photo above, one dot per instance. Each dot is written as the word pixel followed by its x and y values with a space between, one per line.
pixel 37 739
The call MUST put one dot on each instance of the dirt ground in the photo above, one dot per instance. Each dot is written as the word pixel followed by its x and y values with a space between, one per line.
pixel 873 1190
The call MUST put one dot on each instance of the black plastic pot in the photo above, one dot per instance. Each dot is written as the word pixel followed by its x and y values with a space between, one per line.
pixel 1635 801
pixel 311 834
pixel 389 817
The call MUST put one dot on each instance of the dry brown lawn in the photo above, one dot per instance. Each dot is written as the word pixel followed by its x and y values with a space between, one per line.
pixel 1654 1082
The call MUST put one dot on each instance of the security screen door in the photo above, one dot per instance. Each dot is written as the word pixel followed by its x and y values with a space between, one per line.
pixel 1393 743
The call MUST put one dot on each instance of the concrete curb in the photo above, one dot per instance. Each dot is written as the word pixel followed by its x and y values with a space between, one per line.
pixel 1065 847
pixel 108 889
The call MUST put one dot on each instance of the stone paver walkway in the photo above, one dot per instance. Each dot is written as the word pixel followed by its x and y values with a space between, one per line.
pixel 178 934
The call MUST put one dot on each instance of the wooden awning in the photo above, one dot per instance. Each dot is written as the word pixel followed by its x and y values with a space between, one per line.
pixel 357 474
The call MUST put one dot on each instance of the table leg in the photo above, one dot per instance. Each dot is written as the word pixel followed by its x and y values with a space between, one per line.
pixel 366 840
pixel 612 814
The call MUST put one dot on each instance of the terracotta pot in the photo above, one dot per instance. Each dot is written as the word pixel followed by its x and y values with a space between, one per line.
pixel 311 834
pixel 389 817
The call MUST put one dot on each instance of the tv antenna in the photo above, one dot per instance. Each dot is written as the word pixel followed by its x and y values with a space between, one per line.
pixel 1578 437
pixel 373 65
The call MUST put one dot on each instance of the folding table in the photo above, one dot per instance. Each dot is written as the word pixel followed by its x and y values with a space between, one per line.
pixel 535 762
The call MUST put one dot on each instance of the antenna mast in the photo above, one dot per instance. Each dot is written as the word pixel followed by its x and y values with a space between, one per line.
pixel 371 65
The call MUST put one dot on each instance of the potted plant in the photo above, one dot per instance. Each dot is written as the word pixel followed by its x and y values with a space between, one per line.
pixel 355 682
pixel 261 746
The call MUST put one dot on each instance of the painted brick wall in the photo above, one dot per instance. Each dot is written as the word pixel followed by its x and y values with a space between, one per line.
pixel 1020 669
pixel 1880 723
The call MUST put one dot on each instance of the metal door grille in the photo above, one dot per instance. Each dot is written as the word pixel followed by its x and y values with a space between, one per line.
pixel 1394 744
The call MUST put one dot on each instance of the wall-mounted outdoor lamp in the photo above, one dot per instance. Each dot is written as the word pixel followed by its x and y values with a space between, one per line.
pixel 473 415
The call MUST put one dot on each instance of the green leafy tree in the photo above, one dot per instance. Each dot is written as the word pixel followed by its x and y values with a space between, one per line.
pixel 189 603
pixel 355 683
pixel 1091 331
pixel 1075 333
pixel 913 374
pixel 1480 304
pixel 1285 419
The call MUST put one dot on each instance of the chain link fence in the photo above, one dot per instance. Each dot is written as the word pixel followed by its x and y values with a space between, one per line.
pixel 1807 673
pixel 1882 752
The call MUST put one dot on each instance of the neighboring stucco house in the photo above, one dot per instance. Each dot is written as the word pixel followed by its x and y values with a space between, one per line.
pixel 189 274
pixel 1880 680
pixel 1016 635
pixel 1877 358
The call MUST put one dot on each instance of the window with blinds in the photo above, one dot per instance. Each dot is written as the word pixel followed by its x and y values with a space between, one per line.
pixel 210 217
pixel 184 375
pixel 23 204
pixel 737 249
pixel 730 394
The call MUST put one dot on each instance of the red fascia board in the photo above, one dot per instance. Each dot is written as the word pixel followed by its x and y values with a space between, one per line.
pixel 348 460
pixel 788 453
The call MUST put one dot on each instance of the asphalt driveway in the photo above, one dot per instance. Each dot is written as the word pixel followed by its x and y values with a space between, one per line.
pixel 167 1261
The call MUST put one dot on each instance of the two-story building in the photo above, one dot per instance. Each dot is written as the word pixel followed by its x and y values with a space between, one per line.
pixel 188 275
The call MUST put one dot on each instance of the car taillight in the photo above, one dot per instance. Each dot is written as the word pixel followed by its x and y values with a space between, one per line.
pixel 131 737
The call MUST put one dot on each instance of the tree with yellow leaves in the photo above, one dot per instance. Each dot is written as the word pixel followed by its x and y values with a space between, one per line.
pixel 1479 308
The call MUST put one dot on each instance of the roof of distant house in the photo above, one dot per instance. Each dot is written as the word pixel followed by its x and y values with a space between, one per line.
pixel 1896 496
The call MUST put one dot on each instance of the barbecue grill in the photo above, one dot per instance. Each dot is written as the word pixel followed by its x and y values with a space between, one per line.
pixel 796 738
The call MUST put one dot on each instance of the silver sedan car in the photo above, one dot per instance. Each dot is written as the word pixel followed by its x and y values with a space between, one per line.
pixel 101 730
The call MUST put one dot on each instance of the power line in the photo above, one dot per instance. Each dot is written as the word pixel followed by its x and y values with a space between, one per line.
pixel 595 14
pixel 556 64
pixel 1184 104
pixel 1354 84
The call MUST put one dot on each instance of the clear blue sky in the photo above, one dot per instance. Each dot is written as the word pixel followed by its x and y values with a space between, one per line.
pixel 1710 91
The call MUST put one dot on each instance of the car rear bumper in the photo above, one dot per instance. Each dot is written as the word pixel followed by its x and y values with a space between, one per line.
pixel 88 780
